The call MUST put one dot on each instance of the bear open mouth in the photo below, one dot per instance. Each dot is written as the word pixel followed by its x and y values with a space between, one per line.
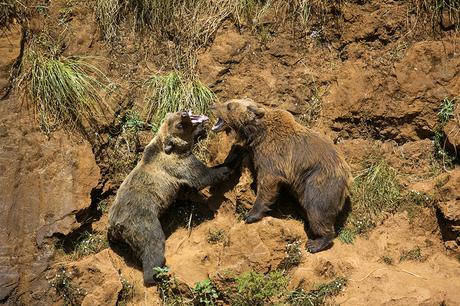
pixel 197 119
pixel 218 126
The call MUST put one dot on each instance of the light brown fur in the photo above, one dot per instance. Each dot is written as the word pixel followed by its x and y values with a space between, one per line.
pixel 152 186
pixel 287 154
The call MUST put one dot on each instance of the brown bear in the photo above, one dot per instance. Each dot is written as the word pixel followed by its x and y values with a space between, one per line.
pixel 167 164
pixel 287 154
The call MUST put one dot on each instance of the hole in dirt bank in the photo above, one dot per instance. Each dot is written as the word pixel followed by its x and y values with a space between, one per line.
pixel 446 226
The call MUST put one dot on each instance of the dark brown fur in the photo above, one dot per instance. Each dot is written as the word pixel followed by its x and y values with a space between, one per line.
pixel 286 153
pixel 166 165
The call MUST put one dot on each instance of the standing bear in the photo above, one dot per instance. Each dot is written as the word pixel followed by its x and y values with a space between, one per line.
pixel 166 165
pixel 287 154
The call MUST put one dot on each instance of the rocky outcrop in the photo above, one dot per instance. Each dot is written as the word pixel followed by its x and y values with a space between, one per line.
pixel 45 182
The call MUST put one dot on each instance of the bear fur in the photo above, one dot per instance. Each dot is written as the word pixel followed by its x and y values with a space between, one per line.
pixel 167 165
pixel 287 154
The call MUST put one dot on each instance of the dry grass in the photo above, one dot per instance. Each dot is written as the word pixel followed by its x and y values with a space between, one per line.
pixel 444 12
pixel 173 92
pixel 63 92
pixel 9 11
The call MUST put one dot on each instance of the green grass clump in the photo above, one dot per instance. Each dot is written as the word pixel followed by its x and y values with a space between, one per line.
pixel 445 113
pixel 172 92
pixel 64 92
pixel 317 296
pixel 293 256
pixel 65 288
pixel 126 293
pixel 216 236
pixel 205 293
pixel 387 260
pixel 376 190
pixel 257 289
pixel 347 235
pixel 89 243
pixel 414 254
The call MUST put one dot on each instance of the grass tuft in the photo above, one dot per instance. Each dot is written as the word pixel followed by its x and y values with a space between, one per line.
pixel 9 11
pixel 445 113
pixel 216 236
pixel 445 13
pixel 64 92
pixel 347 235
pixel 318 296
pixel 205 293
pixel 126 293
pixel 173 92
pixel 376 190
pixel 257 289
pixel 293 256
pixel 414 254
pixel 89 243
pixel 65 288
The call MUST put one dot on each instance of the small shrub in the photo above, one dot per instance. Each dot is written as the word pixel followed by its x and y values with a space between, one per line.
pixel 168 287
pixel 375 191
pixel 293 256
pixel 347 235
pixel 318 296
pixel 126 293
pixel 437 8
pixel 64 287
pixel 64 92
pixel 89 243
pixel 172 92
pixel 257 289
pixel 205 293
pixel 414 254
pixel 216 236
pixel 446 112
pixel 387 260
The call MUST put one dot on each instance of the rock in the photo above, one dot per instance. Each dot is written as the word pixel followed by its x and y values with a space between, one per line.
pixel 45 183
pixel 97 277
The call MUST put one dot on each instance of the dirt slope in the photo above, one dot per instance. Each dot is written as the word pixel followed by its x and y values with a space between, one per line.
pixel 372 78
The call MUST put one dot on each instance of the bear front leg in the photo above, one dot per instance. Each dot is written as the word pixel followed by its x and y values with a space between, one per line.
pixel 210 176
pixel 267 192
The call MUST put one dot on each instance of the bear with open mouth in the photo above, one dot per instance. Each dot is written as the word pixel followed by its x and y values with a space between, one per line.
pixel 287 154
pixel 167 164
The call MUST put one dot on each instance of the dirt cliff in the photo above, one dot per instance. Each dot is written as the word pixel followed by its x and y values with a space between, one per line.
pixel 376 77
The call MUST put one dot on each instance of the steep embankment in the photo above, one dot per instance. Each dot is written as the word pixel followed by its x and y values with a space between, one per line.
pixel 373 76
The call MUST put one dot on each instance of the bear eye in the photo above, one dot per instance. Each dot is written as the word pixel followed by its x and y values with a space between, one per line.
pixel 179 126
pixel 229 106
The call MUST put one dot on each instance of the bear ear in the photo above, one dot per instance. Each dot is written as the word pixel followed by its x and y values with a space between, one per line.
pixel 258 111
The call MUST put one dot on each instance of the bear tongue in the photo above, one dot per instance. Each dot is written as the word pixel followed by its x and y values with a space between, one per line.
pixel 218 125
pixel 197 119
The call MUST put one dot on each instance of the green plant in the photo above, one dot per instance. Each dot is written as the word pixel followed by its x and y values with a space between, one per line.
pixel 167 286
pixel 293 256
pixel 65 92
pixel 205 293
pixel 216 236
pixel 126 293
pixel 65 288
pixel 172 92
pixel 317 296
pixel 89 243
pixel 257 289
pixel 347 235
pixel 375 190
pixel 386 259
pixel 414 254
pixel 445 113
